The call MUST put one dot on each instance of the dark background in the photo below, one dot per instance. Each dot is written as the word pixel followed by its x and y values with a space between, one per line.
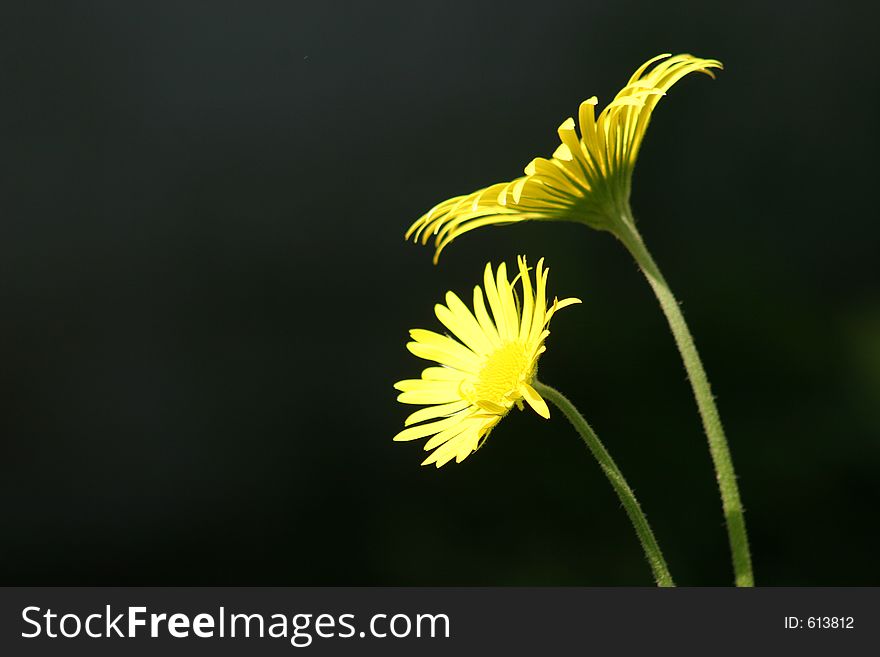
pixel 206 292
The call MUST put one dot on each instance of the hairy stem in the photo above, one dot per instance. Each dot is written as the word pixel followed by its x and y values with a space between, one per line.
pixel 718 448
pixel 624 492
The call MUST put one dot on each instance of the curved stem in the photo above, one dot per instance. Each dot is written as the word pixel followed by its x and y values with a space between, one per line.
pixel 730 500
pixel 624 492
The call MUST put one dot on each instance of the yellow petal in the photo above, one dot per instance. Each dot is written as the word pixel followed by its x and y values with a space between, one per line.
pixel 450 433
pixel 535 400
pixel 461 359
pixel 442 374
pixel 486 323
pixel 429 397
pixel 494 302
pixel 465 442
pixel 491 407
pixel 428 429
pixel 528 301
pixel 457 318
pixel 431 412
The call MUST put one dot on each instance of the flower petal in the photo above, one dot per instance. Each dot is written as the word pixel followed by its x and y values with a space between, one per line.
pixel 429 429
pixel 457 318
pixel 446 352
pixel 535 400
pixel 431 412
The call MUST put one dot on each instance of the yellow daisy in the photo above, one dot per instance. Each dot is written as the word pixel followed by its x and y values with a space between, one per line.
pixel 488 370
pixel 587 179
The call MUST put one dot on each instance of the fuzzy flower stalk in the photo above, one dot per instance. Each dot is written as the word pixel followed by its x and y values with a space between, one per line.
pixel 588 179
pixel 486 366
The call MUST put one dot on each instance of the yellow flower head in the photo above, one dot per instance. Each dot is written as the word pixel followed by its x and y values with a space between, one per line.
pixel 486 371
pixel 588 177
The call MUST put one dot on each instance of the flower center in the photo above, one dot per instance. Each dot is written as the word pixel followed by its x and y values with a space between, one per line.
pixel 500 377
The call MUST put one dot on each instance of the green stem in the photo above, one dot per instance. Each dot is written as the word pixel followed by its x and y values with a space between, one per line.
pixel 730 500
pixel 624 492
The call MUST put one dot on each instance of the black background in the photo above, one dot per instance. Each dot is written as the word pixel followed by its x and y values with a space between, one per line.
pixel 206 292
